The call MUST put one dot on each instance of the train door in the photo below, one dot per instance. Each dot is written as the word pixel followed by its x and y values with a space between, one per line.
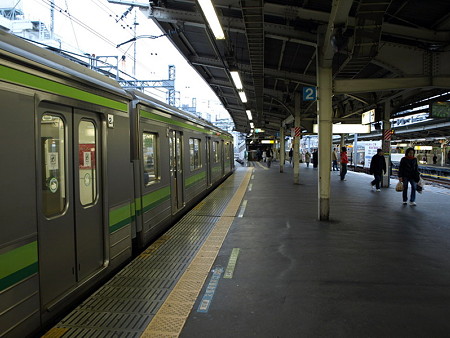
pixel 222 145
pixel 208 161
pixel 69 199
pixel 176 169
pixel 88 198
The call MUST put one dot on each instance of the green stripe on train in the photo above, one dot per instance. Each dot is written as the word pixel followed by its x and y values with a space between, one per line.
pixel 18 264
pixel 29 80
pixel 194 179
pixel 120 217
pixel 151 200
pixel 156 117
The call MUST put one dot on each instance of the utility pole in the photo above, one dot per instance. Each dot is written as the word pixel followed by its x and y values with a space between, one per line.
pixel 135 44
pixel 52 18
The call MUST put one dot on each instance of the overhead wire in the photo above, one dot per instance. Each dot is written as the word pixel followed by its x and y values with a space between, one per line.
pixel 79 22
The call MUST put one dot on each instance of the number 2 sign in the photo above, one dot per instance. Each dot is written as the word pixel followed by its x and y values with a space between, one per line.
pixel 309 93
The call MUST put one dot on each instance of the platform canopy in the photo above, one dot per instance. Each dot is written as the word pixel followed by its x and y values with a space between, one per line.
pixel 394 51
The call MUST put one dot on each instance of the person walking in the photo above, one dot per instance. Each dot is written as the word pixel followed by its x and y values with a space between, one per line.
pixel 269 155
pixel 291 153
pixel 408 172
pixel 307 158
pixel 377 168
pixel 334 157
pixel 344 162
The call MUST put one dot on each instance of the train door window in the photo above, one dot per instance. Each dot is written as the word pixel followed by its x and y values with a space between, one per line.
pixel 87 139
pixel 150 157
pixel 53 134
pixel 194 154
pixel 216 151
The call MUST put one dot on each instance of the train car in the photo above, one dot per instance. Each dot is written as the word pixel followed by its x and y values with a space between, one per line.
pixel 172 152
pixel 89 173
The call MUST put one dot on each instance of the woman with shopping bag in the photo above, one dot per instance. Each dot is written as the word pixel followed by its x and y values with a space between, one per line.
pixel 408 174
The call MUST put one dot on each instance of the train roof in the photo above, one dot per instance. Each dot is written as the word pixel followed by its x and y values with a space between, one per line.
pixel 164 107
pixel 23 51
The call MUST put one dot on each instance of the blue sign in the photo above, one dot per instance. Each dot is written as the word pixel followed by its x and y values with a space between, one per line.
pixel 309 93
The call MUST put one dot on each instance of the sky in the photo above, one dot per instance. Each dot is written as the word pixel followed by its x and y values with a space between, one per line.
pixel 96 27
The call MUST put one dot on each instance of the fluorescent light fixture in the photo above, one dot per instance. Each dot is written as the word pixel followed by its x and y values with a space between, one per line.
pixel 267 141
pixel 242 96
pixel 213 20
pixel 347 128
pixel 249 114
pixel 236 79
pixel 252 125
pixel 423 148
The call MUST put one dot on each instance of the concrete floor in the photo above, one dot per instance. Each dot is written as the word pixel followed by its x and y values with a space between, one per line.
pixel 376 269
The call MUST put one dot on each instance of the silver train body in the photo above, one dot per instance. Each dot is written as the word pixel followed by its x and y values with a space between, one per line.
pixel 89 174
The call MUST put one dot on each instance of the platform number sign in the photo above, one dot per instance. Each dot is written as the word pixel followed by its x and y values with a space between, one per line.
pixel 309 93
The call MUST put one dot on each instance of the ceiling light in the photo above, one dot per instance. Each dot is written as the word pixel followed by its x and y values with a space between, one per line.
pixel 236 79
pixel 213 20
pixel 242 96
pixel 249 114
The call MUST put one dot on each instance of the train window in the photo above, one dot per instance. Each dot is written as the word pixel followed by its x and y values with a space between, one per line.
pixel 53 134
pixel 194 154
pixel 149 157
pixel 87 139
pixel 216 151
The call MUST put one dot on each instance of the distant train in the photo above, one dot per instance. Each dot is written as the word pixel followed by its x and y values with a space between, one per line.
pixel 89 173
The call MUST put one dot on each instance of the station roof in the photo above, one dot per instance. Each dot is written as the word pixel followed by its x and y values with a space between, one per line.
pixel 391 51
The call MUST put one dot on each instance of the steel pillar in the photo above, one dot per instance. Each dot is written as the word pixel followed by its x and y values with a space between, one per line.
pixel 297 140
pixel 282 149
pixel 325 120
pixel 386 144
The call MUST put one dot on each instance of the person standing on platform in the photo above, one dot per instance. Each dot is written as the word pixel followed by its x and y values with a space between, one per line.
pixel 377 168
pixel 291 153
pixel 344 162
pixel 334 157
pixel 264 155
pixel 448 157
pixel 258 154
pixel 269 155
pixel 307 158
pixel 408 172
pixel 315 157
pixel 434 159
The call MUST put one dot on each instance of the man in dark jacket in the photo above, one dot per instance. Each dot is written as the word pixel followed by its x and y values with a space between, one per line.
pixel 377 168
pixel 408 172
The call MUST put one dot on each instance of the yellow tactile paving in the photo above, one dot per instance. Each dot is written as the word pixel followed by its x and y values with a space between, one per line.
pixel 170 319
pixel 56 332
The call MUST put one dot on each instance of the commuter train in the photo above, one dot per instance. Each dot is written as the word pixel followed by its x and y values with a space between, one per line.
pixel 89 174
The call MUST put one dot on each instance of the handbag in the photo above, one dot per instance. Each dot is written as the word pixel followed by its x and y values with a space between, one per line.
pixel 399 186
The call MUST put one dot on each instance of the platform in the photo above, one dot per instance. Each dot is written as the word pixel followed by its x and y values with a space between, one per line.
pixel 376 269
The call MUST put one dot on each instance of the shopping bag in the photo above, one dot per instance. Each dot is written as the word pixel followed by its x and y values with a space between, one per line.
pixel 420 185
pixel 399 186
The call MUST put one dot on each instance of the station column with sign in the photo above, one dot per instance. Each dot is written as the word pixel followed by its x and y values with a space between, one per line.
pixel 386 143
pixel 297 139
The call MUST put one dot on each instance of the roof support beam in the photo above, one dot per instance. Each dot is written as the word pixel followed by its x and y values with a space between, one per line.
pixel 338 16
pixel 372 85
pixel 412 33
